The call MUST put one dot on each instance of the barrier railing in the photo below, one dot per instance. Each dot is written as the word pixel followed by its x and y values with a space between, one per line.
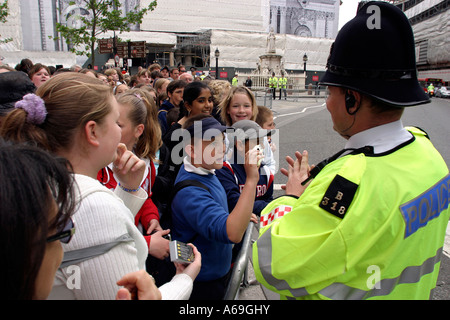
pixel 239 272
pixel 264 96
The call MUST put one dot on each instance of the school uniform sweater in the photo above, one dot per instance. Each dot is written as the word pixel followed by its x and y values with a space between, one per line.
pixel 162 116
pixel 233 177
pixel 200 217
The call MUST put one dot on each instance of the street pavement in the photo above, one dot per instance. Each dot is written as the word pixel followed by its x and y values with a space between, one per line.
pixel 311 116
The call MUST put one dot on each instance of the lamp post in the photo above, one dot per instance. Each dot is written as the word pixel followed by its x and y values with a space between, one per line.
pixel 115 49
pixel 305 59
pixel 217 55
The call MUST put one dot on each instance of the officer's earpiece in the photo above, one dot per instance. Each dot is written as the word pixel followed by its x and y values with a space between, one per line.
pixel 350 102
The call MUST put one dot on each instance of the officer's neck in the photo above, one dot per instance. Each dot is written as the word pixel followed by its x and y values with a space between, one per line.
pixel 366 119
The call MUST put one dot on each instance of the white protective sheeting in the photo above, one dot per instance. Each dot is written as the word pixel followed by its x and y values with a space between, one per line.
pixel 238 49
pixel 421 7
pixel 317 50
pixel 243 49
pixel 437 30
pixel 192 16
pixel 48 58
pixel 153 38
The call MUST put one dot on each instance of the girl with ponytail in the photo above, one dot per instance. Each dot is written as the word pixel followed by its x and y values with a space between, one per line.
pixel 141 134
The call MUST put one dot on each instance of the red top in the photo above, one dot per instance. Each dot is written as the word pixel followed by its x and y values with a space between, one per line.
pixel 148 211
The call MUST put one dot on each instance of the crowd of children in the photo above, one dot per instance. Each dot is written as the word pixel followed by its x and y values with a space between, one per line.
pixel 124 148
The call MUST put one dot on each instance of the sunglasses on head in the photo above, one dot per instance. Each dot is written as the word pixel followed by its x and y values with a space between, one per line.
pixel 64 235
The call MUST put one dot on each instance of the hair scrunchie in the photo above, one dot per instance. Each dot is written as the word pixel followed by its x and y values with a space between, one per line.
pixel 34 106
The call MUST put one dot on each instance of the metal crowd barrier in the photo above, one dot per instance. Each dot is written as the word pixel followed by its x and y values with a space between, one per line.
pixel 239 272
pixel 264 96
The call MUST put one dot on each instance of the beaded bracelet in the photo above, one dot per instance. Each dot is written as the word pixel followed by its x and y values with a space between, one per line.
pixel 128 190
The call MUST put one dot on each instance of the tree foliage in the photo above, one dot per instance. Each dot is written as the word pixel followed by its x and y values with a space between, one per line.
pixel 4 12
pixel 105 15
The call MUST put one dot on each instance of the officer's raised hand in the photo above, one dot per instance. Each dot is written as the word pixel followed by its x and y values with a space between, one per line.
pixel 297 172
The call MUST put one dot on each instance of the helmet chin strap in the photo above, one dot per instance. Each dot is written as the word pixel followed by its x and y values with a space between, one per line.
pixel 350 104
pixel 342 132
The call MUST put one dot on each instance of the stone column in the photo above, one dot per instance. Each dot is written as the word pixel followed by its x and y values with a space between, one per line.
pixel 171 59
pixel 283 12
pixel 274 11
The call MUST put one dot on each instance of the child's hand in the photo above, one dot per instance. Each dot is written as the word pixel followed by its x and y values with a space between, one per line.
pixel 138 286
pixel 153 225
pixel 128 168
pixel 252 157
pixel 192 269
pixel 159 246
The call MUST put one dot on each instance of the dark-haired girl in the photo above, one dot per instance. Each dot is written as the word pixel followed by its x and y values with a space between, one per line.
pixel 35 218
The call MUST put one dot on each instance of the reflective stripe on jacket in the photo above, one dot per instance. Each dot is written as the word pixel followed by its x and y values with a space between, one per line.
pixel 273 82
pixel 367 227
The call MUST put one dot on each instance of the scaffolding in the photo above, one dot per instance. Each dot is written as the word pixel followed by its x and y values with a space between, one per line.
pixel 194 49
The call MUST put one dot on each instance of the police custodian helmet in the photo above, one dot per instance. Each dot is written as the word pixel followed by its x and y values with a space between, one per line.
pixel 374 54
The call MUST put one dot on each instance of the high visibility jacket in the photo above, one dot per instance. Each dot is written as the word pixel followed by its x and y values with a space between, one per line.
pixel 273 82
pixel 367 227
pixel 234 82
pixel 282 82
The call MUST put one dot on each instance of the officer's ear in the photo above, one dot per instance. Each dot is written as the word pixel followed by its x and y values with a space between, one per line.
pixel 352 101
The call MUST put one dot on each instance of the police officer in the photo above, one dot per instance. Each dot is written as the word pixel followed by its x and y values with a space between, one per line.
pixel 282 84
pixel 273 84
pixel 234 81
pixel 369 222
pixel 430 90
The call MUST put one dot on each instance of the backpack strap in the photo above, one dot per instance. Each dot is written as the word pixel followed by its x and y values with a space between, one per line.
pixel 80 255
pixel 166 218
pixel 187 183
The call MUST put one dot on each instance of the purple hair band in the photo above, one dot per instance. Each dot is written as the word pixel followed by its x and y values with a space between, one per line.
pixel 34 107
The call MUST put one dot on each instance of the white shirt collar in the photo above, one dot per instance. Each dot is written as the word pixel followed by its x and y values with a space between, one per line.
pixel 382 138
pixel 189 167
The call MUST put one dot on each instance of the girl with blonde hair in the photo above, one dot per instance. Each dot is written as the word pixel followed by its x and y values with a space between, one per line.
pixel 239 104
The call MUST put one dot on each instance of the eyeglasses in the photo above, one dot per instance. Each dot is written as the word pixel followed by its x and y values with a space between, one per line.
pixel 64 235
